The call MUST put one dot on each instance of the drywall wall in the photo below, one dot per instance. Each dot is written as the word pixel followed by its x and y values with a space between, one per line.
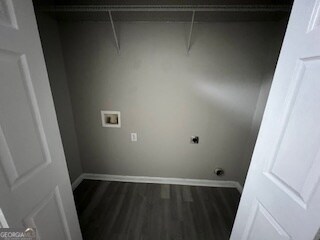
pixel 49 34
pixel 165 95
pixel 267 77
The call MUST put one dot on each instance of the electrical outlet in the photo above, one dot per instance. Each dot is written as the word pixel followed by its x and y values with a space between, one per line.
pixel 134 137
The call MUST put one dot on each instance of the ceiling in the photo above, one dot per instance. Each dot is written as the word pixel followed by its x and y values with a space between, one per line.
pixel 166 10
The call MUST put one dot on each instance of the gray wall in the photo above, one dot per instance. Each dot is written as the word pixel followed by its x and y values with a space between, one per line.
pixel 267 77
pixel 166 96
pixel 50 40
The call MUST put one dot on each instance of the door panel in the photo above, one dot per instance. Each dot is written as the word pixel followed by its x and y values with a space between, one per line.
pixel 315 17
pixel 302 113
pixel 35 189
pixel 27 149
pixel 7 15
pixel 50 208
pixel 263 226
pixel 282 191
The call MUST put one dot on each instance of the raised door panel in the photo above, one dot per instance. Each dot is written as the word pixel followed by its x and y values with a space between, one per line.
pixel 7 15
pixel 298 139
pixel 23 142
pixel 263 226
pixel 315 17
pixel 49 219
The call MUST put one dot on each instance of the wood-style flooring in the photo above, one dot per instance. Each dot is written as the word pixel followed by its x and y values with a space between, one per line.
pixel 141 211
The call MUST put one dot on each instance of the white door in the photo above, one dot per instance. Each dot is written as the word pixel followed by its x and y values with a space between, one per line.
pixel 281 197
pixel 35 189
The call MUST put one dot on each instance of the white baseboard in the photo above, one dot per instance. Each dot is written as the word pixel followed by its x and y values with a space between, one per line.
pixel 238 186
pixel 160 180
pixel 76 182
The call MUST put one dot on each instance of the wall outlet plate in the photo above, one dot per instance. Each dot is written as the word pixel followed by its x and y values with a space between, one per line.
pixel 134 137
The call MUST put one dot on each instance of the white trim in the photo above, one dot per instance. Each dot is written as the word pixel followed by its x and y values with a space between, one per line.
pixel 77 182
pixel 238 186
pixel 160 180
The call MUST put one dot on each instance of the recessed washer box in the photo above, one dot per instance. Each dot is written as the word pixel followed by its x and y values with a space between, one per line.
pixel 111 119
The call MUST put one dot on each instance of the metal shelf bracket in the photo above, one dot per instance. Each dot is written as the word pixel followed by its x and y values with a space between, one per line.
pixel 190 33
pixel 114 32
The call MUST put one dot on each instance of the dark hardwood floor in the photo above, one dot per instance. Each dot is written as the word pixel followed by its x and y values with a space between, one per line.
pixel 140 211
